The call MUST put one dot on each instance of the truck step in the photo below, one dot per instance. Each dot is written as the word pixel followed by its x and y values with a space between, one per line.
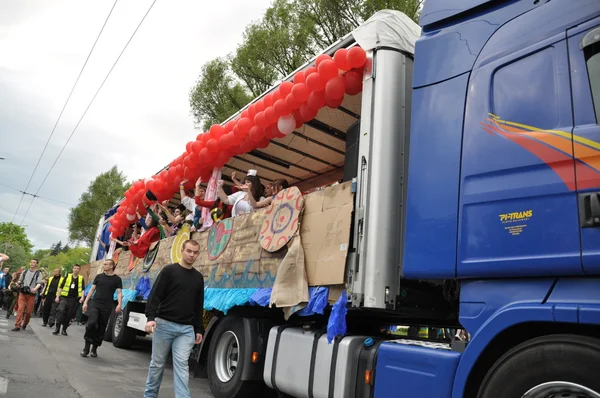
pixel 423 343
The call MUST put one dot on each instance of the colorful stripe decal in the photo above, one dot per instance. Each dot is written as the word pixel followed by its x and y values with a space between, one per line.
pixel 555 148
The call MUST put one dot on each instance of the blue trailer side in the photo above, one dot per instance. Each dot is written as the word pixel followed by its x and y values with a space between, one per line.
pixel 505 168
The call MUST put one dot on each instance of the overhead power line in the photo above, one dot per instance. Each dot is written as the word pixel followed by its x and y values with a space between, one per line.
pixel 87 108
pixel 38 196
pixel 63 109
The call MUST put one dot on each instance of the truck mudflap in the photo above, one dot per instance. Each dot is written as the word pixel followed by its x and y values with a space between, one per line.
pixel 420 369
pixel 303 363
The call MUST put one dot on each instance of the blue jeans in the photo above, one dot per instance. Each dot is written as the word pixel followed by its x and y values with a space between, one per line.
pixel 179 338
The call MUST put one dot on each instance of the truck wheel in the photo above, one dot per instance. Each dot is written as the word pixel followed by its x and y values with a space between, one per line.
pixel 226 360
pixel 108 334
pixel 123 336
pixel 544 367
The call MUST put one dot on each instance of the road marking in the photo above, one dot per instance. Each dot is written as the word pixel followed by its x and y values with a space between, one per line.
pixel 3 330
pixel 3 385
pixel 3 337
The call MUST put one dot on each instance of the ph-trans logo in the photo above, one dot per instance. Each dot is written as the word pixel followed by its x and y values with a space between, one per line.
pixel 516 216
pixel 516 222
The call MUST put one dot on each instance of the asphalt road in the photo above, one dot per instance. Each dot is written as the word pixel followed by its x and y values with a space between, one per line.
pixel 35 363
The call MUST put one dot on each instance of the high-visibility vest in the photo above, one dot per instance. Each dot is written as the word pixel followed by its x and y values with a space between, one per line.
pixel 67 285
pixel 50 281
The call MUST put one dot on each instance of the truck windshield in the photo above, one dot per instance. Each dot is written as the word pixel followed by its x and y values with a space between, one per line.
pixel 591 48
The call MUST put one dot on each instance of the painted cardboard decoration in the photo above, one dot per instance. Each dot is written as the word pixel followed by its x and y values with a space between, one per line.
pixel 182 235
pixel 218 238
pixel 150 256
pixel 318 248
pixel 281 219
pixel 133 260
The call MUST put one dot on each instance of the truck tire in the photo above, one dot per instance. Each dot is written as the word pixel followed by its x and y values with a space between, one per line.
pixel 548 366
pixel 123 336
pixel 226 360
pixel 108 334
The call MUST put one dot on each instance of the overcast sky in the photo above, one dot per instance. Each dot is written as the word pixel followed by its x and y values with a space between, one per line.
pixel 141 119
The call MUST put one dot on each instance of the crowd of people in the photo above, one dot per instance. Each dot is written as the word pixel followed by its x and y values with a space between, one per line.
pixel 162 221
pixel 174 311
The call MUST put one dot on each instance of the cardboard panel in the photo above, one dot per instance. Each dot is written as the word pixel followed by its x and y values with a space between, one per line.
pixel 325 233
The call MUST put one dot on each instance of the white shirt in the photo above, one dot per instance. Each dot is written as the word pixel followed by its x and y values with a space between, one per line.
pixel 190 205
pixel 241 205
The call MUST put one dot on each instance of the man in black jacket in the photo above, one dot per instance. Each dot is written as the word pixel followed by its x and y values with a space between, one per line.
pixel 174 312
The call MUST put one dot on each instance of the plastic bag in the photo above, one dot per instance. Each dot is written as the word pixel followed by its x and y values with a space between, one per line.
pixel 317 302
pixel 127 296
pixel 261 297
pixel 336 326
pixel 143 287
pixel 225 299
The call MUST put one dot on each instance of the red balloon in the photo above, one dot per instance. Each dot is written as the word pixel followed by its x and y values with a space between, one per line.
pixel 194 159
pixel 244 114
pixel 197 146
pixel 353 83
pixel 237 132
pixel 315 82
pixel 246 146
pixel 334 102
pixel 159 185
pixel 251 112
pixel 321 58
pixel 225 141
pixel 292 103
pixel 231 124
pixel 206 156
pixel 277 95
pixel 299 119
pixel 316 99
pixel 341 60
pixel 216 131
pixel 187 161
pixel 299 77
pixel 260 120
pixel 335 88
pixel 270 115
pixel 264 143
pixel 300 92
pixel 310 70
pixel 259 106
pixel 188 146
pixel 268 100
pixel 222 158
pixel 328 69
pixel 307 112
pixel 356 57
pixel 212 145
pixel 139 184
pixel 245 125
pixel 256 134
pixel 281 108
pixel 286 88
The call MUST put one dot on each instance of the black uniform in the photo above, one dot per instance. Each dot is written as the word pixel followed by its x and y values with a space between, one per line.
pixel 49 309
pixel 100 307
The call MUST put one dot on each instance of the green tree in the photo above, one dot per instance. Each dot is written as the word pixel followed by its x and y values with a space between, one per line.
pixel 15 234
pixel 289 34
pixel 217 94
pixel 66 259
pixel 18 257
pixel 56 248
pixel 101 195
pixel 281 42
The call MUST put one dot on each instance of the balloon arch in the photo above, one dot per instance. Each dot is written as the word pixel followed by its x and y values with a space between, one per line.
pixel 275 115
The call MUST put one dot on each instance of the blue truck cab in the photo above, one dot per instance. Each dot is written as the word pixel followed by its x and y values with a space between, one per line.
pixel 503 197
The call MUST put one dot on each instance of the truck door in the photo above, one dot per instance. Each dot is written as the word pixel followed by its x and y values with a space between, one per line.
pixel 584 62
pixel 518 210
